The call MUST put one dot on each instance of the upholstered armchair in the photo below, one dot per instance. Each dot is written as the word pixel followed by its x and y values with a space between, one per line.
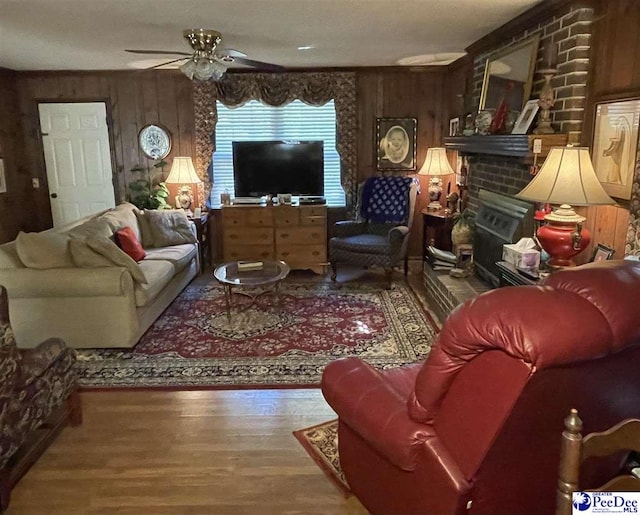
pixel 38 397
pixel 380 234
pixel 476 427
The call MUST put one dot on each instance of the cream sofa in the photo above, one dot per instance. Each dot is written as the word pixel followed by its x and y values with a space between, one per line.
pixel 93 304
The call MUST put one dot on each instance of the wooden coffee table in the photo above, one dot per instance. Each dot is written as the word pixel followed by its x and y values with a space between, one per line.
pixel 271 273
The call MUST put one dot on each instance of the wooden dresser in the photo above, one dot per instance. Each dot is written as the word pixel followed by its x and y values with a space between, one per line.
pixel 294 234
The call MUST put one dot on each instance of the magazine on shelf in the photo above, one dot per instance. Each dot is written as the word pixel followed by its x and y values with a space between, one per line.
pixel 442 255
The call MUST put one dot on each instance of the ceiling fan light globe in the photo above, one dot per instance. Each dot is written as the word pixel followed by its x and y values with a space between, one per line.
pixel 204 69
pixel 189 68
pixel 218 70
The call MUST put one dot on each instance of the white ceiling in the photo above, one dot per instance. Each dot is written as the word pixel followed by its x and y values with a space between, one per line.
pixel 92 34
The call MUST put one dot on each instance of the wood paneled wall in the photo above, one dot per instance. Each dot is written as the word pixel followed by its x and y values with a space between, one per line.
pixel 614 74
pixel 165 97
pixel 402 94
pixel 133 100
pixel 16 213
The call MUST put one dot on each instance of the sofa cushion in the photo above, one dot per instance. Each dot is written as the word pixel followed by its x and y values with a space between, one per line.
pixel 170 228
pixel 158 274
pixel 364 243
pixel 178 255
pixel 123 215
pixel 44 249
pixel 146 236
pixel 127 241
pixel 110 250
pixel 9 256
pixel 93 227
pixel 84 256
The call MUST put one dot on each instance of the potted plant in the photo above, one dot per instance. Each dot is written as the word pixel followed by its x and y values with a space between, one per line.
pixel 147 192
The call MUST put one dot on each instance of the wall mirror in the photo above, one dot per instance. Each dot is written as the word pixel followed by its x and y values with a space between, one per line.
pixel 510 72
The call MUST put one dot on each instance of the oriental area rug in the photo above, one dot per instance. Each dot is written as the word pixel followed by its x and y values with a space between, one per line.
pixel 321 442
pixel 267 344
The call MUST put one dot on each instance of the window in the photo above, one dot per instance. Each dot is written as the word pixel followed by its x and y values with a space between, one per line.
pixel 255 121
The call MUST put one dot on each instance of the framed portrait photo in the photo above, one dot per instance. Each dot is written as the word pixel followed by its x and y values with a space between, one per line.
pixel 602 253
pixel 615 142
pixel 454 126
pixel 528 114
pixel 396 144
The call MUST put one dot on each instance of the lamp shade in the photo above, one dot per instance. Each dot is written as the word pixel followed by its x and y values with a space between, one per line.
pixel 566 177
pixel 183 172
pixel 436 162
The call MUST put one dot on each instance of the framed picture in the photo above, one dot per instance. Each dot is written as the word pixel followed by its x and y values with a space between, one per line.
pixel 528 114
pixel 454 126
pixel 602 253
pixel 615 142
pixel 3 179
pixel 396 143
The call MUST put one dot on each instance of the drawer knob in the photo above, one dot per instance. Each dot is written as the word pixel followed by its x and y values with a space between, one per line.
pixel 284 235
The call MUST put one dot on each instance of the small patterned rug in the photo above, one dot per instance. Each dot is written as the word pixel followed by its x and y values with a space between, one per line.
pixel 321 442
pixel 265 343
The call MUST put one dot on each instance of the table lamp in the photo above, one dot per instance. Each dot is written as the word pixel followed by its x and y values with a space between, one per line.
pixel 435 164
pixel 183 183
pixel 567 178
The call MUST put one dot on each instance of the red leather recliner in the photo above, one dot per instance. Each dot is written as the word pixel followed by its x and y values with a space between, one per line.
pixel 476 427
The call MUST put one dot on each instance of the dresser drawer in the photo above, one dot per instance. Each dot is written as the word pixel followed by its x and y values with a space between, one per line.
pixel 297 255
pixel 286 216
pixel 259 217
pixel 301 236
pixel 232 216
pixel 248 236
pixel 248 252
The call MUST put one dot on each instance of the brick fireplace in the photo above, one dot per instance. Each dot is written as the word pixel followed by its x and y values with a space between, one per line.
pixel 509 174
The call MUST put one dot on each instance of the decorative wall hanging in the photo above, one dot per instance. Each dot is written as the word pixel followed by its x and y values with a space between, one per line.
pixel 396 143
pixel 154 141
pixel 615 141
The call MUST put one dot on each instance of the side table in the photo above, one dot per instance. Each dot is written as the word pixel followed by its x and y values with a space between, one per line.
pixel 436 230
pixel 202 230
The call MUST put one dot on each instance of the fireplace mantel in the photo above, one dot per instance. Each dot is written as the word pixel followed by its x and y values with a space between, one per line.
pixel 512 145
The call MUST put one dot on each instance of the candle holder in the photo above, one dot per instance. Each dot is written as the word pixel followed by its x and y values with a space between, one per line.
pixel 546 101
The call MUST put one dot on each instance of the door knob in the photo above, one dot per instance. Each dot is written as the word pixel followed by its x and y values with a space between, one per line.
pixel 54 195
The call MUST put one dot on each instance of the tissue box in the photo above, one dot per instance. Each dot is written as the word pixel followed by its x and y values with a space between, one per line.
pixel 521 254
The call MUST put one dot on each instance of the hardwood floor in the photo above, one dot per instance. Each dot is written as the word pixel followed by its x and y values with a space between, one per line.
pixel 190 452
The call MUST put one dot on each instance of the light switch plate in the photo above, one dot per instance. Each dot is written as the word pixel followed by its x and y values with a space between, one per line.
pixel 537 146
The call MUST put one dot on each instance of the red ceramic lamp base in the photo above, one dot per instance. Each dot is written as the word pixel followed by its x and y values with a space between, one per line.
pixel 562 242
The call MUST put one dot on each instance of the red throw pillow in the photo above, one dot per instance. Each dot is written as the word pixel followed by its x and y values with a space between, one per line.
pixel 127 241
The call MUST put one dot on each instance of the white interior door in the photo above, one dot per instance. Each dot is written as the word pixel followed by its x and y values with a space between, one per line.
pixel 77 156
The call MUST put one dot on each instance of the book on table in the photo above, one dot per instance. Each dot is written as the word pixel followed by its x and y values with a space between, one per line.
pixel 250 266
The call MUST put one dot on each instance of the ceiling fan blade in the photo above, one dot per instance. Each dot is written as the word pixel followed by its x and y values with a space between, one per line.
pixel 165 64
pixel 229 52
pixel 259 64
pixel 159 52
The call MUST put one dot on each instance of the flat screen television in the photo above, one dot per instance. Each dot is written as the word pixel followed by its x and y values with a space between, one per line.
pixel 272 167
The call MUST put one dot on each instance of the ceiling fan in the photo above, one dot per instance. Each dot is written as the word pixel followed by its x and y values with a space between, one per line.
pixel 208 60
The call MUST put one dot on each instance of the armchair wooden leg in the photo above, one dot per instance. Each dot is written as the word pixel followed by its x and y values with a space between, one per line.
pixel 334 270
pixel 388 272
pixel 5 491
pixel 406 266
pixel 74 407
